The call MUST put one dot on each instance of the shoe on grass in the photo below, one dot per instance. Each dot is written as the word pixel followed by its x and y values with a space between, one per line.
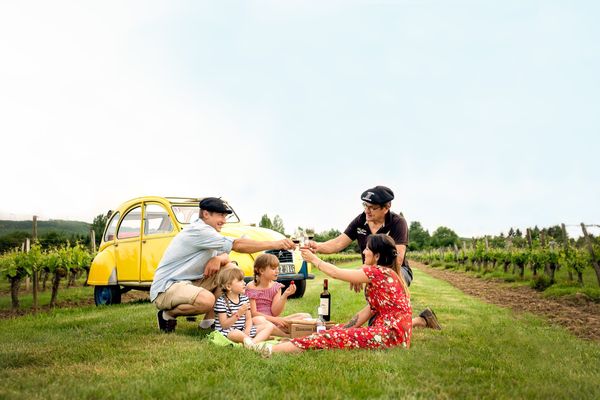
pixel 207 325
pixel 165 325
pixel 430 319
pixel 264 349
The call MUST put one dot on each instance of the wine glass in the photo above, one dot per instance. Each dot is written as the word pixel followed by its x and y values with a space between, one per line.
pixel 297 237
pixel 310 233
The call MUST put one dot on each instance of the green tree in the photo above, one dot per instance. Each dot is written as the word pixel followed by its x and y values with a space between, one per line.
pixel 278 225
pixel 327 235
pixel 555 232
pixel 444 237
pixel 418 237
pixel 265 222
pixel 518 233
pixel 12 240
pixel 98 226
pixel 535 233
pixel 498 241
pixel 54 239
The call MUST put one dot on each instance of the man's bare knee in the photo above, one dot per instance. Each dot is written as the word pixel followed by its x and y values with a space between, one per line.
pixel 205 301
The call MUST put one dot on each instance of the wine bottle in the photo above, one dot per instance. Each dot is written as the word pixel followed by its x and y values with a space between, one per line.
pixel 325 304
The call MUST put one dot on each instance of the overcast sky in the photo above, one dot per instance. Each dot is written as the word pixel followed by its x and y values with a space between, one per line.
pixel 480 115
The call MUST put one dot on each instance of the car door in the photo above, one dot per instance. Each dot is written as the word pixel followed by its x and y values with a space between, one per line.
pixel 127 246
pixel 158 232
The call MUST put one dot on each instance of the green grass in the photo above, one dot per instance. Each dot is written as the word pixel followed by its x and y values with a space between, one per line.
pixel 116 352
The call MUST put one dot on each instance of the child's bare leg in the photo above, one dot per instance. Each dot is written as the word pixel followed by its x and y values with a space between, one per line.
pixel 263 331
pixel 260 320
pixel 236 336
pixel 286 347
pixel 277 331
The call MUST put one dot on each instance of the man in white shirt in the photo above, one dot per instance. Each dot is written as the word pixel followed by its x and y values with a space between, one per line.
pixel 185 279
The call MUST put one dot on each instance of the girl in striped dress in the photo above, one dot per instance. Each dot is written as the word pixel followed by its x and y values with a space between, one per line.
pixel 232 310
pixel 265 295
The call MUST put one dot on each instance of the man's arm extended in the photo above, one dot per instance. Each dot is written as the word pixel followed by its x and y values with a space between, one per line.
pixel 244 245
pixel 334 245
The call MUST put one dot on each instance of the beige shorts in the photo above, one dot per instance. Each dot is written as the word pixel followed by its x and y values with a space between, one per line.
pixel 185 292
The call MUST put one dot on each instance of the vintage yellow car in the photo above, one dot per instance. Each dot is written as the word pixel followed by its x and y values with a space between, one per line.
pixel 138 232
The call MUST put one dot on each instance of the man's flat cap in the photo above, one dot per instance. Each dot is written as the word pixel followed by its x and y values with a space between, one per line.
pixel 378 195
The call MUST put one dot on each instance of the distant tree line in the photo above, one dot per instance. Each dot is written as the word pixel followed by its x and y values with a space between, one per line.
pixel 51 234
pixel 420 239
pixel 55 233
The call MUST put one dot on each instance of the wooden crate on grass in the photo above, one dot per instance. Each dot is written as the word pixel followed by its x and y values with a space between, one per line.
pixel 302 327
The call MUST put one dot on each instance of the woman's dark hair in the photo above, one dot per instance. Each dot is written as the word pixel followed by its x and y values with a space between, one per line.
pixel 385 247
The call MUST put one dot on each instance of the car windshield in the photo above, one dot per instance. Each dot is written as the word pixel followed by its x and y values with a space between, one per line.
pixel 186 214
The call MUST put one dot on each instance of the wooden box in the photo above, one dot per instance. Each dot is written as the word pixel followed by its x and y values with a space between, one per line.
pixel 300 328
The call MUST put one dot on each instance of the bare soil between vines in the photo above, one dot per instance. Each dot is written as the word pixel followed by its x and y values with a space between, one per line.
pixel 578 314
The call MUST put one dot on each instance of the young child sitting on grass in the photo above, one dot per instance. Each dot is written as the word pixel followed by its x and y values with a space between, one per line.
pixel 232 309
pixel 265 294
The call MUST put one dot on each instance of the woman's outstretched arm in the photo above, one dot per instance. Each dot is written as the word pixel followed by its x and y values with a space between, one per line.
pixel 348 275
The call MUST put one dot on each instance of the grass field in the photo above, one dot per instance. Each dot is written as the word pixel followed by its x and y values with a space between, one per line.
pixel 116 352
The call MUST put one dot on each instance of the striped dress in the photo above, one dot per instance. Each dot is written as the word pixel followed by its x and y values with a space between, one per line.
pixel 264 297
pixel 228 307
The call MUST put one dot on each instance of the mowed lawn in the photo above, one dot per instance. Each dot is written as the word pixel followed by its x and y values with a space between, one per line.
pixel 116 352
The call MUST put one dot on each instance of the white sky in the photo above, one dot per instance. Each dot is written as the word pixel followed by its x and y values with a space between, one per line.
pixel 479 115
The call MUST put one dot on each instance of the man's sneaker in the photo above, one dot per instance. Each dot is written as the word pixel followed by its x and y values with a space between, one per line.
pixel 165 325
pixel 430 318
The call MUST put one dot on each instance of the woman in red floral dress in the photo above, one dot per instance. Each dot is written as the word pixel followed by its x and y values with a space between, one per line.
pixel 386 294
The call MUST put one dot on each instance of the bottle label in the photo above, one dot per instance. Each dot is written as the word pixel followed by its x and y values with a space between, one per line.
pixel 324 306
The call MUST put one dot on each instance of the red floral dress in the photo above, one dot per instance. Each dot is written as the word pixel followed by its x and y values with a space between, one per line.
pixel 391 327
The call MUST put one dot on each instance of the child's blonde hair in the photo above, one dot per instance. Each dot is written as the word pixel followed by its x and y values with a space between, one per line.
pixel 262 262
pixel 228 275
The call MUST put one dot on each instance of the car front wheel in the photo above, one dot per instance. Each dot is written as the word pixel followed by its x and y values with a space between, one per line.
pixel 107 295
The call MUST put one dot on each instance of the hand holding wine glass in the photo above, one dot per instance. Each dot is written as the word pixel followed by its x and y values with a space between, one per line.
pixel 287 244
pixel 308 255
pixel 312 246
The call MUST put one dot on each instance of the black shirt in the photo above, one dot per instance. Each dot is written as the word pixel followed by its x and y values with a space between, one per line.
pixel 394 226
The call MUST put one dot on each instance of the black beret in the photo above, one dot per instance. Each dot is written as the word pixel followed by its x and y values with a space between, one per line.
pixel 378 195
pixel 215 205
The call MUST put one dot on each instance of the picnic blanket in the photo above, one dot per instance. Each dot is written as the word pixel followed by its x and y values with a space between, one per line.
pixel 217 338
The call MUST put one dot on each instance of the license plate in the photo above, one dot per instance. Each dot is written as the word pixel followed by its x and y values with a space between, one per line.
pixel 287 269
